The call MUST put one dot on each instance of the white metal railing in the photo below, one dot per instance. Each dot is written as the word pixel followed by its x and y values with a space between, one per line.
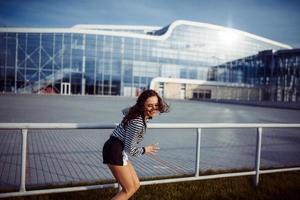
pixel 197 126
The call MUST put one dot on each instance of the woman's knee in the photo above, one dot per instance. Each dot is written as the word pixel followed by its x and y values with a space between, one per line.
pixel 129 191
pixel 132 188
pixel 137 185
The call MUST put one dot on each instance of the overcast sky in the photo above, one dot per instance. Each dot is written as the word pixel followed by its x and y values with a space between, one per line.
pixel 278 20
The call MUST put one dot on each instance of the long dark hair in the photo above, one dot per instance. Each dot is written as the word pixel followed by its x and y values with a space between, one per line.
pixel 138 108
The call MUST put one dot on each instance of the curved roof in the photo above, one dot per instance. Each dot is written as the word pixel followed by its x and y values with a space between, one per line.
pixel 94 29
pixel 217 27
pixel 117 27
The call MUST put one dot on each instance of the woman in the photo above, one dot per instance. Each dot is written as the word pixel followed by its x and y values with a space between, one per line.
pixel 125 139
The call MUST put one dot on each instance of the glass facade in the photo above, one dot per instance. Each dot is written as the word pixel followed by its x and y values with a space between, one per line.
pixel 123 62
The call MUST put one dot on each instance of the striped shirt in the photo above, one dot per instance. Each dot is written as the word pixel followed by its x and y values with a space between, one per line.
pixel 131 136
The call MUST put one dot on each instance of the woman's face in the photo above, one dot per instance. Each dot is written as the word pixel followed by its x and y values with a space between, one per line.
pixel 151 106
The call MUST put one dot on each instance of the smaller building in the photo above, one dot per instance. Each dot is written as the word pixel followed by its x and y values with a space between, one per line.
pixel 203 90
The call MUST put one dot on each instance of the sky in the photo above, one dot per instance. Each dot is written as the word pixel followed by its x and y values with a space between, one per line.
pixel 277 20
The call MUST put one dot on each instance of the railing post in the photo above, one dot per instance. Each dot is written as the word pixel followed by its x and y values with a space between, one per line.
pixel 24 153
pixel 197 167
pixel 258 154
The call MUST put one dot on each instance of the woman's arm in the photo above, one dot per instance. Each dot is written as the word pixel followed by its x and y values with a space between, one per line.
pixel 133 129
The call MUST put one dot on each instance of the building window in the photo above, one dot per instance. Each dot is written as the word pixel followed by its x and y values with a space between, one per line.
pixel 202 94
pixel 161 89
pixel 183 91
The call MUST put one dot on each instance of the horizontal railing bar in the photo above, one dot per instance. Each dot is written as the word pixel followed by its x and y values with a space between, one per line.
pixel 115 185
pixel 194 178
pixel 58 190
pixel 150 125
pixel 221 125
pixel 162 181
pixel 56 126
pixel 268 171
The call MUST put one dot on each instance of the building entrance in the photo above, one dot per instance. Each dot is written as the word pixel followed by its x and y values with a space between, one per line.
pixel 65 88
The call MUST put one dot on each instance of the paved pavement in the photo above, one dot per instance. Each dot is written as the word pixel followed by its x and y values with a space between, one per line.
pixel 73 156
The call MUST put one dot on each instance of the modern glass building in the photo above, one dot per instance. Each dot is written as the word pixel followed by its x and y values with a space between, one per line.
pixel 123 60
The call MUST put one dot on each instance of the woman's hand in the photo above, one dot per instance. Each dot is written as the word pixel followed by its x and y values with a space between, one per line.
pixel 152 148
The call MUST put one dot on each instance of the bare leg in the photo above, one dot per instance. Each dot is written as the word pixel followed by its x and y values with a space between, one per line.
pixel 134 176
pixel 127 178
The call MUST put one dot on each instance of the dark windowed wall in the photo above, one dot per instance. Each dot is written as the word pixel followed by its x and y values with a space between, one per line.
pixel 286 75
pixel 124 65
pixel 277 74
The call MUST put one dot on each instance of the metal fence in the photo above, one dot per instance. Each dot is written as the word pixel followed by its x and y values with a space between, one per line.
pixel 197 126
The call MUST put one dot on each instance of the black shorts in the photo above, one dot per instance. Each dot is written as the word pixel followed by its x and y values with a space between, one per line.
pixel 113 152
